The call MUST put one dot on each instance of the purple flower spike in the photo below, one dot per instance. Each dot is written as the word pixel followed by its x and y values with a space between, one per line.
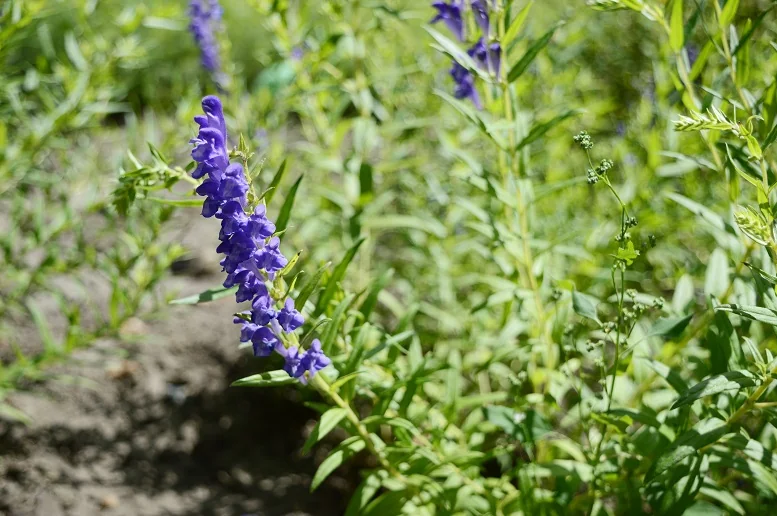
pixel 252 255
pixel 203 23
pixel 451 15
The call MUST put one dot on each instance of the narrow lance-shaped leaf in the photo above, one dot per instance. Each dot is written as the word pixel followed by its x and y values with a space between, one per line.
pixel 310 285
pixel 450 48
pixel 702 434
pixel 516 25
pixel 676 34
pixel 269 193
pixel 728 13
pixel 329 420
pixel 670 327
pixel 517 70
pixel 338 317
pixel 337 276
pixel 671 376
pixel 756 313
pixel 372 298
pixel 203 297
pixel 339 455
pixel 268 379
pixel 728 381
pixel 288 204
pixel 539 131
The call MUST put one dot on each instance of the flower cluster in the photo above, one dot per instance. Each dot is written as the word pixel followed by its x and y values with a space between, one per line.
pixel 204 15
pixel 487 55
pixel 251 252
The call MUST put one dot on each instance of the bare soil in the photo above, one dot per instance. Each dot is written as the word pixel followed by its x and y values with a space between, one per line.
pixel 148 425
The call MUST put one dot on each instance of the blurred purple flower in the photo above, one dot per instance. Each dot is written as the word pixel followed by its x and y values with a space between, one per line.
pixel 480 9
pixel 204 17
pixel 465 85
pixel 451 15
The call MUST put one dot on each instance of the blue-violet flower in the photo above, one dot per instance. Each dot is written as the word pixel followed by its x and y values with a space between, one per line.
pixel 465 85
pixel 451 15
pixel 480 9
pixel 252 255
pixel 204 17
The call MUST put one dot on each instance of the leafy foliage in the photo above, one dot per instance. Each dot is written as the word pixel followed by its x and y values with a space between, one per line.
pixel 521 320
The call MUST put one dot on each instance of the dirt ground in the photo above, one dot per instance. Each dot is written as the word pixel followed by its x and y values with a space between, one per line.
pixel 148 425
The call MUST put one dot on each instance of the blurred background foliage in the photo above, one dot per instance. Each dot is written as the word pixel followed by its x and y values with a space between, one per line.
pixel 346 92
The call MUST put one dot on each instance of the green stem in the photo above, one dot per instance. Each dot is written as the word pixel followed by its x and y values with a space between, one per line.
pixel 320 382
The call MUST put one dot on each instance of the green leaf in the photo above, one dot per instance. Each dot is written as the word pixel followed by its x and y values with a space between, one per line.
pixel 311 333
pixel 627 254
pixel 363 494
pixel 670 327
pixel 450 48
pixel 11 413
pixel 520 67
pixel 268 379
pixel 754 450
pixel 728 13
pixel 203 297
pixel 329 420
pixel 73 52
pixel 703 433
pixel 585 305
pixel 337 276
pixel 725 350
pixel 372 298
pixel 390 502
pixel 702 212
pixel 749 32
pixel 619 424
pixel 722 496
pixel 310 285
pixel 716 280
pixel 44 330
pixel 339 455
pixel 516 25
pixel 761 274
pixel 365 183
pixel 474 116
pixel 269 193
pixel 770 138
pixel 344 380
pixel 526 426
pixel 683 294
pixel 397 422
pixel 428 225
pixel 756 313
pixel 539 131
pixel 288 203
pixel 671 376
pixel 728 381
pixel 328 339
pixel 676 34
